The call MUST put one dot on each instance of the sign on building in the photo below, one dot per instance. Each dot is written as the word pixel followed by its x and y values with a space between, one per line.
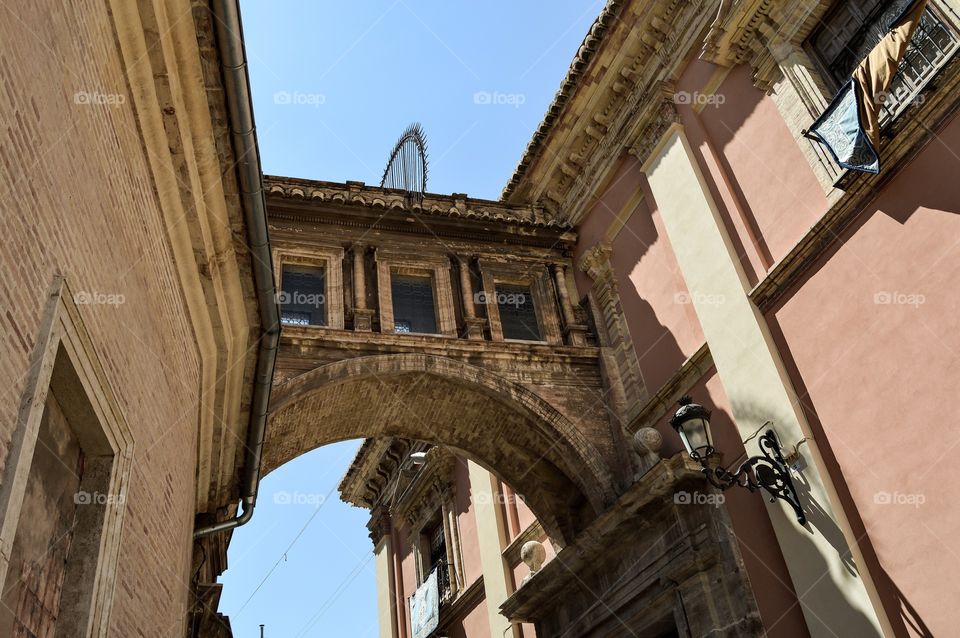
pixel 425 607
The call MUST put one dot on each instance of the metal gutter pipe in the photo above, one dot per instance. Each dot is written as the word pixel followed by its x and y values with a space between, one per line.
pixel 233 63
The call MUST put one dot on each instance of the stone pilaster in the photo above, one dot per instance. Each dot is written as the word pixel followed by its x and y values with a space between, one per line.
pixel 596 263
pixel 574 334
pixel 473 325
pixel 362 316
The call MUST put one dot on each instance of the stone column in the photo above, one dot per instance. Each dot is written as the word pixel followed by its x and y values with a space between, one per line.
pixel 473 325
pixel 381 535
pixel 497 581
pixel 362 317
pixel 574 334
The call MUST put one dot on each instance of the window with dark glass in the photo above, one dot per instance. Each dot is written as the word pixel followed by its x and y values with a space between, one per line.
pixel 302 296
pixel 854 27
pixel 518 317
pixel 438 557
pixel 413 309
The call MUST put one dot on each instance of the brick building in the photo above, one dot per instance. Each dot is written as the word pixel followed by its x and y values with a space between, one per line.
pixel 671 230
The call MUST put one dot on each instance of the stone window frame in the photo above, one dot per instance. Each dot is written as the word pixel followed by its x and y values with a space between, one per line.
pixel 535 276
pixel 430 498
pixel 436 268
pixel 330 258
pixel 64 359
pixel 787 70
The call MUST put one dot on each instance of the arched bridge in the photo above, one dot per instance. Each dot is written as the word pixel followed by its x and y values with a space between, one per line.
pixel 452 322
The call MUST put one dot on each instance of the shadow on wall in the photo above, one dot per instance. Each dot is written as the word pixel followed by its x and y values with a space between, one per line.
pixel 800 540
pixel 900 612
pixel 658 351
pixel 721 124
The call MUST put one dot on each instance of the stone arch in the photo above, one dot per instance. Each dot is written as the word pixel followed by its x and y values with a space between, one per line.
pixel 501 425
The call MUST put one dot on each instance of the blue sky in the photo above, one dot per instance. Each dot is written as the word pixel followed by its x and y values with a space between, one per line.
pixel 334 85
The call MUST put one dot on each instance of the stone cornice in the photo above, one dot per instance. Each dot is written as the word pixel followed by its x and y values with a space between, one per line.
pixel 456 206
pixel 748 32
pixel 372 471
pixel 591 42
pixel 686 377
pixel 623 89
pixel 651 490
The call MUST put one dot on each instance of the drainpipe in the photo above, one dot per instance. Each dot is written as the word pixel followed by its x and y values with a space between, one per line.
pixel 226 14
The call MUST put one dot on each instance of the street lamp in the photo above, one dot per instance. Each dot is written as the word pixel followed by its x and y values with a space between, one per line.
pixel 770 471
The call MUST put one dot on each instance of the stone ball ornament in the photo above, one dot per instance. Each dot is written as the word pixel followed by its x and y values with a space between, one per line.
pixel 533 554
pixel 647 441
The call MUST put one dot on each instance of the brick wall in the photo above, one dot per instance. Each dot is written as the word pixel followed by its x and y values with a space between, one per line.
pixel 77 199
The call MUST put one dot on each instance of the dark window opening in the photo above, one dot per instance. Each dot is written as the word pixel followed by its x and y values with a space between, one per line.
pixel 438 558
pixel 853 28
pixel 518 316
pixel 303 296
pixel 413 308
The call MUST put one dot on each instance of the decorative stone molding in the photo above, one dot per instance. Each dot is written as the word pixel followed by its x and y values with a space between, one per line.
pixel 435 267
pixel 423 496
pixel 694 574
pixel 664 118
pixel 640 57
pixel 628 378
pixel 383 199
pixel 683 380
pixel 525 273
pixel 379 525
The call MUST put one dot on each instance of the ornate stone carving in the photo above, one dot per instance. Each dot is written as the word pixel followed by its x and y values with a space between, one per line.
pixel 664 118
pixel 596 263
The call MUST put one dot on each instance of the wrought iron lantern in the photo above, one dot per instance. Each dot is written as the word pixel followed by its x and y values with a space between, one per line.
pixel 770 471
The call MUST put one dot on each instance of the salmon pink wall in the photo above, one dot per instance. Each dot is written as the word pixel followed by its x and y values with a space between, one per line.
pixel 655 301
pixel 467 521
pixel 768 192
pixel 871 329
pixel 474 623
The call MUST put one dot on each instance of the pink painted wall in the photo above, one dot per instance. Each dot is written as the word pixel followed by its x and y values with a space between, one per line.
pixel 769 193
pixel 871 337
pixel 776 599
pixel 469 537
pixel 654 297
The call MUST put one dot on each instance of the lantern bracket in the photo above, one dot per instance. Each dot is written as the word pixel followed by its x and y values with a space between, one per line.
pixel 769 472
